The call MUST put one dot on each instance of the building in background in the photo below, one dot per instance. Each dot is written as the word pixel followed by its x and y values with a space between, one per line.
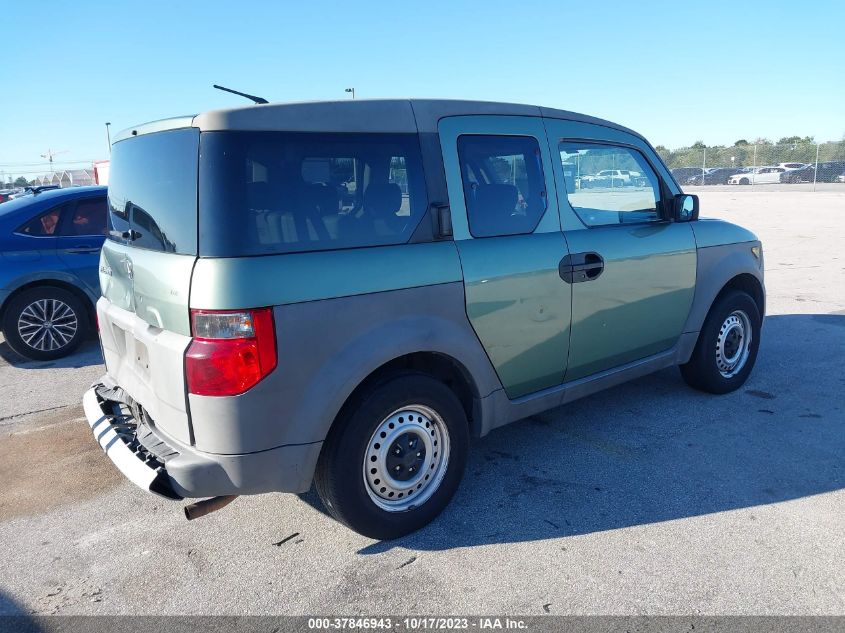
pixel 101 172
pixel 67 178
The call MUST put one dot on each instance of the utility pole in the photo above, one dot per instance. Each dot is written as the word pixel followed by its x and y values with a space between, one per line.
pixel 352 90
pixel 108 136
pixel 49 156
pixel 816 168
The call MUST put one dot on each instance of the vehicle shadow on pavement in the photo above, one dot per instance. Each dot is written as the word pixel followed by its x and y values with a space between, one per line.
pixel 655 450
pixel 14 617
pixel 87 355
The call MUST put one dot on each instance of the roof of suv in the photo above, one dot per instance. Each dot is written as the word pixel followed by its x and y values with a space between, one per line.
pixel 359 115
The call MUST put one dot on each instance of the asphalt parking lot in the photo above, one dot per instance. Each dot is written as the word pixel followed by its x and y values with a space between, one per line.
pixel 649 498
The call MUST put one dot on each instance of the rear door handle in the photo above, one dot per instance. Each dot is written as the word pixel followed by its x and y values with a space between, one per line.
pixel 581 267
pixel 82 250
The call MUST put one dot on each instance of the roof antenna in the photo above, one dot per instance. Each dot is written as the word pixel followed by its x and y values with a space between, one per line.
pixel 242 94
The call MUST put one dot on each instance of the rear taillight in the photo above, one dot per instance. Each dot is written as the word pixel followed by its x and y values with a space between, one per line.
pixel 232 351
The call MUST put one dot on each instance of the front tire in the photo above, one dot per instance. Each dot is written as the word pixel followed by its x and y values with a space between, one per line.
pixel 394 460
pixel 45 323
pixel 727 346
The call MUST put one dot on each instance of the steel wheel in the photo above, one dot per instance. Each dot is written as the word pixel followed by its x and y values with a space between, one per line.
pixel 47 325
pixel 733 343
pixel 406 458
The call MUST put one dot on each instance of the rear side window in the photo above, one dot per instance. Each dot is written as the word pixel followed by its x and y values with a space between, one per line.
pixel 45 225
pixel 504 185
pixel 278 192
pixel 629 193
pixel 153 190
pixel 89 218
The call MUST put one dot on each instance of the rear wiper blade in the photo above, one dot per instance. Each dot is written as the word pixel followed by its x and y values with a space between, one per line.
pixel 258 100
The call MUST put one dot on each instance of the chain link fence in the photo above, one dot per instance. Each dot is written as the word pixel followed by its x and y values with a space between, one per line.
pixel 758 163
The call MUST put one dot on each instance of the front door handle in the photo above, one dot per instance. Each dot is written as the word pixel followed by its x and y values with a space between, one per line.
pixel 82 250
pixel 581 267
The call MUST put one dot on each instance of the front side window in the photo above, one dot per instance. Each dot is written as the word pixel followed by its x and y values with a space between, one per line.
pixel 608 184
pixel 284 192
pixel 45 225
pixel 504 185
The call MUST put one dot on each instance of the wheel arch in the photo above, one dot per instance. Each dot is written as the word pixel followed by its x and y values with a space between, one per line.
pixel 720 269
pixel 79 293
pixel 748 284
pixel 438 365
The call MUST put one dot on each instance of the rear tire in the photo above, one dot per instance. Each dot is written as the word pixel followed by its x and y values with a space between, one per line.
pixel 45 323
pixel 726 349
pixel 405 439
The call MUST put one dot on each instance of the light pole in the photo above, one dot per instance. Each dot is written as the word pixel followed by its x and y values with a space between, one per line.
pixel 108 135
pixel 352 90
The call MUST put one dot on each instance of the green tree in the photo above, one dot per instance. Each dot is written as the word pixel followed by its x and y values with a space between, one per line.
pixel 795 140
pixel 21 182
pixel 698 145
pixel 741 143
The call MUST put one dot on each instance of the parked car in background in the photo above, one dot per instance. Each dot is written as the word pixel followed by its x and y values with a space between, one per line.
pixel 32 189
pixel 610 178
pixel 805 174
pixel 827 172
pixel 718 176
pixel 792 165
pixel 49 252
pixel 6 194
pixel 757 176
pixel 682 173
pixel 228 371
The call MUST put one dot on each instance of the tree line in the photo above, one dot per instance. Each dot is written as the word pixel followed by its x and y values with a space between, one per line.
pixel 762 151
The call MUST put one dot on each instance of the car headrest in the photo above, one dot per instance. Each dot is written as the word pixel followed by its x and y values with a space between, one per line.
pixel 321 198
pixel 258 195
pixel 383 199
pixel 492 205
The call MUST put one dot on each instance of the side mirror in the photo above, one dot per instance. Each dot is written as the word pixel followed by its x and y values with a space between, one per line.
pixel 685 208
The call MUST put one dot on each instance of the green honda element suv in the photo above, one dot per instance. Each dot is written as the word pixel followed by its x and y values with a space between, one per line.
pixel 345 292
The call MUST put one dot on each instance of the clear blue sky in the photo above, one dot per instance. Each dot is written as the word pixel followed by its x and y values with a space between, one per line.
pixel 677 72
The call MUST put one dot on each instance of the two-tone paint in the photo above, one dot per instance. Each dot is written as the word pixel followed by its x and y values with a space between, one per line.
pixel 491 316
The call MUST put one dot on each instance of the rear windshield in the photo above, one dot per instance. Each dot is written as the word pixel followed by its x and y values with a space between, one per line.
pixel 280 192
pixel 153 190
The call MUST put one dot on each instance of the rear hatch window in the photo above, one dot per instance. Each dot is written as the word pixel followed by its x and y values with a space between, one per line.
pixel 153 191
pixel 279 192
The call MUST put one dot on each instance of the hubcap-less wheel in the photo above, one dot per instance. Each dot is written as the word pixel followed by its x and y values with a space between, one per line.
pixel 47 324
pixel 733 343
pixel 406 458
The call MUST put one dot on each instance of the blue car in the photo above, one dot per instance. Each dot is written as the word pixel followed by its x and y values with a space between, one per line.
pixel 49 255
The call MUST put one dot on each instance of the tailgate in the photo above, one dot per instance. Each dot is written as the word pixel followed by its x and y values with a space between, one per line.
pixel 145 270
pixel 144 328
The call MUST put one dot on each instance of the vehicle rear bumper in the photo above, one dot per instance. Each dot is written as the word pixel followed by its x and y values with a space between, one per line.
pixel 173 470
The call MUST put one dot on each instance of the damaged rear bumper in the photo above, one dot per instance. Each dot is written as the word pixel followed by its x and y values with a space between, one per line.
pixel 170 469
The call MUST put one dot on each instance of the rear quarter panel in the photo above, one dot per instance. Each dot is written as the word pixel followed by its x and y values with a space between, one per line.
pixel 338 316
